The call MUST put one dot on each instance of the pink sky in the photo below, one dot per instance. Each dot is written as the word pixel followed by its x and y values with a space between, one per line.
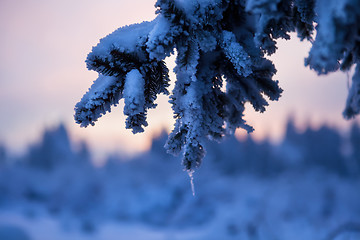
pixel 44 44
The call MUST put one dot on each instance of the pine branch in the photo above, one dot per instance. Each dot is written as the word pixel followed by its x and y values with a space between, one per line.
pixel 217 42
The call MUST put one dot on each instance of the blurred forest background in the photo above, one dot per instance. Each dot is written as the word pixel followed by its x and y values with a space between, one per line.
pixel 305 187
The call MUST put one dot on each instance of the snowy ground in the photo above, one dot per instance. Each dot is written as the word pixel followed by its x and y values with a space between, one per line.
pixel 305 188
pixel 291 206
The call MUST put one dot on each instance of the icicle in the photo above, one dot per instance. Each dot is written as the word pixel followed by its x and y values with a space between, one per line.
pixel 191 172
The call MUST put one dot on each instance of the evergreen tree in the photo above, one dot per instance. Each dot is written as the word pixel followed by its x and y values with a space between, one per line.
pixel 54 148
pixel 217 42
pixel 322 148
pixel 355 150
pixel 2 154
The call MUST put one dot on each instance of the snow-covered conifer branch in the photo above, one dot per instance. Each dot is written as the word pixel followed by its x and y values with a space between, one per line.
pixel 104 92
pixel 217 42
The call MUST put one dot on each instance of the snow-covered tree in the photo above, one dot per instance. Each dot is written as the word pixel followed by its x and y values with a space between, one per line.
pixel 2 154
pixel 355 151
pixel 55 148
pixel 218 43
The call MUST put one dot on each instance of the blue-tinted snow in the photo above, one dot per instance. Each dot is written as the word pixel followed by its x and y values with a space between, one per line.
pixel 304 188
pixel 125 39
pixel 190 6
pixel 134 93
